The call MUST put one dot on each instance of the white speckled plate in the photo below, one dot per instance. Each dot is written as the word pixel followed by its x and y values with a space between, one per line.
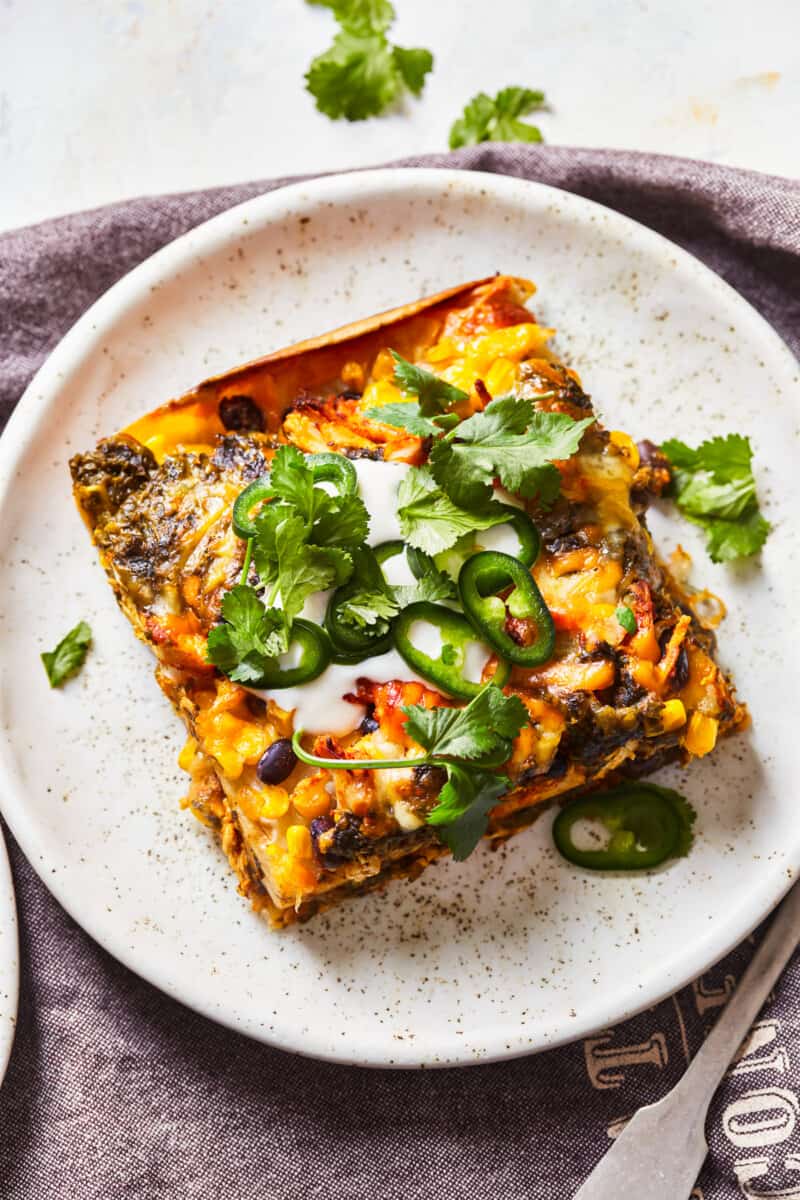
pixel 9 961
pixel 512 951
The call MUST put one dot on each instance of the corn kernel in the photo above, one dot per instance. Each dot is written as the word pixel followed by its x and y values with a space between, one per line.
pixel 383 366
pixel 701 734
pixel 501 377
pixel 187 755
pixel 229 760
pixel 250 742
pixel 673 715
pixel 300 877
pixel 441 350
pixel 311 798
pixel 380 392
pixel 249 800
pixel 298 841
pixel 625 443
pixel 275 803
pixel 353 376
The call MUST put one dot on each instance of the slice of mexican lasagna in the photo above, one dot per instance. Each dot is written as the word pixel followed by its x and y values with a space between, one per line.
pixel 400 590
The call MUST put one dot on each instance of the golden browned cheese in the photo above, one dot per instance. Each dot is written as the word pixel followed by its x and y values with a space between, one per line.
pixel 158 499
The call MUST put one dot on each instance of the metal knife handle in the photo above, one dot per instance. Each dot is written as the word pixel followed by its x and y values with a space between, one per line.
pixel 661 1150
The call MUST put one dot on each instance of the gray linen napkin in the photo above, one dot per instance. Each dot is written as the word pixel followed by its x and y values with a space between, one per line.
pixel 114 1090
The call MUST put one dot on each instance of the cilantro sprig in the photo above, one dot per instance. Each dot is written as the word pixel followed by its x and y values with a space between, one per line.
pixel 434 394
pixel 304 542
pixel 468 743
pixel 497 119
pixel 362 73
pixel 714 487
pixel 511 441
pixel 374 603
pixel 69 655
pixel 431 521
pixel 428 415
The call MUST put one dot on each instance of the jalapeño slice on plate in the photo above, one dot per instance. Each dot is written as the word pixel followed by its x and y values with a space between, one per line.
pixel 625 828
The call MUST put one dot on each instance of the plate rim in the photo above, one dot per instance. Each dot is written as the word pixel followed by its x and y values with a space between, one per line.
pixel 11 1014
pixel 79 344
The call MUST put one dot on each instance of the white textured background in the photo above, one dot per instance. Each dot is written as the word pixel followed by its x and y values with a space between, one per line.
pixel 105 99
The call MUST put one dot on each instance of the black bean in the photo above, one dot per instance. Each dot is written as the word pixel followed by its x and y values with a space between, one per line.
pixel 277 762
pixel 242 414
pixel 348 840
pixel 558 767
pixel 430 779
pixel 368 725
pixel 681 673
pixel 256 705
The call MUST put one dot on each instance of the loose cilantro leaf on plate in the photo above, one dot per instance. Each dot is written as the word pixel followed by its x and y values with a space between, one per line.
pixel 68 657
pixel 249 635
pixel 465 802
pixel 480 731
pixel 509 440
pixel 361 73
pixel 714 487
pixel 431 521
pixel 434 394
pixel 498 120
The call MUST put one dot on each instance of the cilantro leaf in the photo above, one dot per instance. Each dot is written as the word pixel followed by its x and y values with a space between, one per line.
pixel 292 480
pixel 626 618
pixel 482 729
pixel 329 520
pixel 360 16
pixel 431 521
pixel 367 600
pixel 413 66
pixel 326 520
pixel 69 655
pixel 497 120
pixel 362 73
pixel 729 540
pixel 509 440
pixel 465 802
pixel 305 569
pixel 249 635
pixel 404 415
pixel 434 586
pixel 368 608
pixel 477 735
pixel 340 521
pixel 714 487
pixel 434 394
pixel 356 78
pixel 290 567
